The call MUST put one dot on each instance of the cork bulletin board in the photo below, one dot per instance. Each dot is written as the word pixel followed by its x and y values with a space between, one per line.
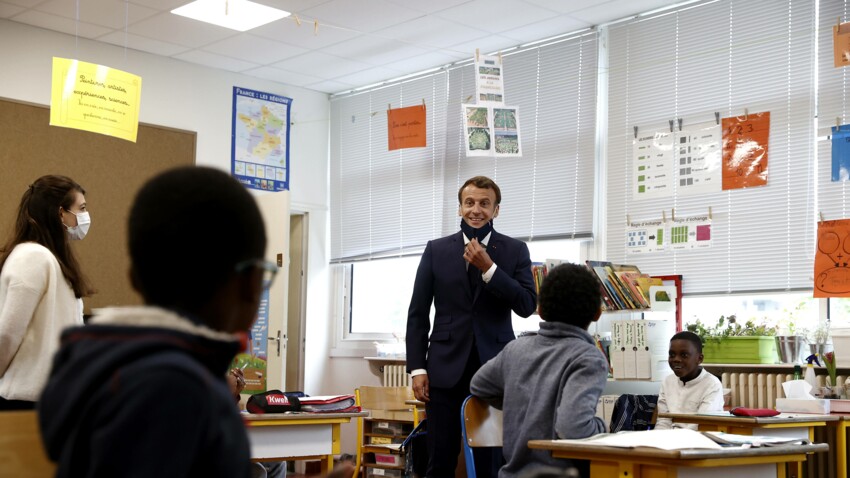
pixel 110 170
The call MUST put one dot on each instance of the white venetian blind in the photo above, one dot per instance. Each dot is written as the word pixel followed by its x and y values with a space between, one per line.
pixel 721 56
pixel 833 103
pixel 388 203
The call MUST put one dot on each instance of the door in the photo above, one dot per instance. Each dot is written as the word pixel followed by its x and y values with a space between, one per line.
pixel 296 323
pixel 275 210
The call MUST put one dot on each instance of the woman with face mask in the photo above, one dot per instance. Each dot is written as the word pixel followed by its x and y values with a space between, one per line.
pixel 41 286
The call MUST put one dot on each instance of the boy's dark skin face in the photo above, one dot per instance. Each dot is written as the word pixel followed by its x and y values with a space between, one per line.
pixel 684 359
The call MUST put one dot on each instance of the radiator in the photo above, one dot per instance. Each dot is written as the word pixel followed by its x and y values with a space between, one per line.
pixel 760 390
pixel 396 376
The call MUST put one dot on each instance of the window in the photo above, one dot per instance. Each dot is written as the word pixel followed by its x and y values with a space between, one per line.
pixel 793 313
pixel 379 312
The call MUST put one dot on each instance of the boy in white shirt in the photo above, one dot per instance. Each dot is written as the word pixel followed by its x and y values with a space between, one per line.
pixel 690 389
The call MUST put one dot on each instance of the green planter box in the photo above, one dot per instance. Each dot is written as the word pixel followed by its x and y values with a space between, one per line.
pixel 760 349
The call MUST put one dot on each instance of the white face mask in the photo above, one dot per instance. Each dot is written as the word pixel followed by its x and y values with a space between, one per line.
pixel 79 231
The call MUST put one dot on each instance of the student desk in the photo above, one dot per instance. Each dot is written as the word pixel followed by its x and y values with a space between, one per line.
pixel 644 462
pixel 296 436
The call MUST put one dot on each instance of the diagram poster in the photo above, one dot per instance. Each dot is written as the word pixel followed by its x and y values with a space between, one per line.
pixel 95 98
pixel 477 121
pixel 645 236
pixel 690 232
pixel 745 142
pixel 254 361
pixel 259 147
pixel 698 159
pixel 506 131
pixel 406 127
pixel 489 80
pixel 841 153
pixel 652 156
pixel 832 274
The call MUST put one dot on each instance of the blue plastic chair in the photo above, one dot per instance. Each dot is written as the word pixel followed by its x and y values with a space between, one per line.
pixel 481 426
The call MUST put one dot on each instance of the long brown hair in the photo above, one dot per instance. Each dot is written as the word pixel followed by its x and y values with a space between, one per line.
pixel 39 221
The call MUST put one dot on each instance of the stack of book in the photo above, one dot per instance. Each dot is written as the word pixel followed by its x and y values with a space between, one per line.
pixel 623 287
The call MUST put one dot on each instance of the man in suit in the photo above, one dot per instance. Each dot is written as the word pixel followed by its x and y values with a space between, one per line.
pixel 474 277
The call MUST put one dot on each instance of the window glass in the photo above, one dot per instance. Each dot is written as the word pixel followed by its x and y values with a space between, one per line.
pixel 380 295
pixel 793 313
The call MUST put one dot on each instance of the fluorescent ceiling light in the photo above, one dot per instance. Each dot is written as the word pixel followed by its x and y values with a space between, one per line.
pixel 238 15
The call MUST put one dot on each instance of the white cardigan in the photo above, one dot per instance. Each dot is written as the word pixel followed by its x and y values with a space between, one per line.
pixel 36 304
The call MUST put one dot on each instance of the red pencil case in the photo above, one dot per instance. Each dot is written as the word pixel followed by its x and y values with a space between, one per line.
pixel 753 412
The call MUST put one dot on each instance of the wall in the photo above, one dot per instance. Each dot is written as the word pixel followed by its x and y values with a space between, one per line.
pixel 186 96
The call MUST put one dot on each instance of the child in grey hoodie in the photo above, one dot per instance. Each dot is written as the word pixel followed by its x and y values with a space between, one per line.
pixel 548 384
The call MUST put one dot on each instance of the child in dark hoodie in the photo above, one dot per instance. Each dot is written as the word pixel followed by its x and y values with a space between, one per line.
pixel 548 384
pixel 141 391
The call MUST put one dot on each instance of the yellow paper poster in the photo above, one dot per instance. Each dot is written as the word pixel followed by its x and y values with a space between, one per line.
pixel 95 98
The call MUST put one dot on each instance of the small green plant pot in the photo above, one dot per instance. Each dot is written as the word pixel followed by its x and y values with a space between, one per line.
pixel 760 349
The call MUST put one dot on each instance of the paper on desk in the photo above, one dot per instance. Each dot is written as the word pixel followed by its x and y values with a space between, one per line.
pixel 798 389
pixel 672 439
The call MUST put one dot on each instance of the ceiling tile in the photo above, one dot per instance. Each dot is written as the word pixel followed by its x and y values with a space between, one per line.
pixel 181 30
pixel 432 31
pixel 424 62
pixel 603 13
pixel 488 44
pixel 7 10
pixel 547 28
pixel 292 6
pixel 287 77
pixel 145 44
pixel 370 76
pixel 330 86
pixel 561 6
pixel 254 49
pixel 289 32
pixel 495 16
pixel 374 50
pixel 61 24
pixel 321 65
pixel 361 15
pixel 215 61
pixel 431 6
pixel 24 3
pixel 164 5
pixel 107 13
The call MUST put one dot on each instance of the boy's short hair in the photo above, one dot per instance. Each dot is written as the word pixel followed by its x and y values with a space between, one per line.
pixel 570 294
pixel 188 229
pixel 690 337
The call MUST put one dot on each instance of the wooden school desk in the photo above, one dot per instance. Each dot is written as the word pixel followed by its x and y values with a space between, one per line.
pixel 297 436
pixel 645 462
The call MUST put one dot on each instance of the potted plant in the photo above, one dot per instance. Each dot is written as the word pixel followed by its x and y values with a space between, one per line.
pixel 728 341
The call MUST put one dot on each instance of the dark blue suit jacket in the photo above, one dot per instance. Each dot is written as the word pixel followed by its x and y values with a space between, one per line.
pixel 442 278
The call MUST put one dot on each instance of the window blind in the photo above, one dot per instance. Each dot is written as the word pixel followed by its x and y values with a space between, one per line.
pixel 833 103
pixel 389 203
pixel 721 56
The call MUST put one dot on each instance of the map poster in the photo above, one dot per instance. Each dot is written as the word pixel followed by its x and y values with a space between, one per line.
pixel 477 132
pixel 698 159
pixel 690 232
pixel 652 160
pixel 489 80
pixel 506 131
pixel 260 141
pixel 645 236
pixel 95 98
pixel 832 257
pixel 253 361
pixel 745 150
pixel 841 153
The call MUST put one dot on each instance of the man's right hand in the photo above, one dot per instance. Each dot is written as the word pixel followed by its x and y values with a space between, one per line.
pixel 421 388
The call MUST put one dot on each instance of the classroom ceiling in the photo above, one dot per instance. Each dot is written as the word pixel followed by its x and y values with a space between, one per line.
pixel 327 45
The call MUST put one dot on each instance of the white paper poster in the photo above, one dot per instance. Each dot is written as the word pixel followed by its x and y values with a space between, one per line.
pixel 699 159
pixel 652 156
pixel 489 81
pixel 690 232
pixel 506 131
pixel 478 139
pixel 645 236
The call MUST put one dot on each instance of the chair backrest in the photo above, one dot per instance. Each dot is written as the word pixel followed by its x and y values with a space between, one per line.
pixel 21 451
pixel 633 412
pixel 481 425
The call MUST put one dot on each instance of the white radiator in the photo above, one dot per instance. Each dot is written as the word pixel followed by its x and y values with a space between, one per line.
pixel 396 376
pixel 760 390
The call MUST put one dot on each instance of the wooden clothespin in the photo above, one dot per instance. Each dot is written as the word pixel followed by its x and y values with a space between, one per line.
pixel 746 114
pixel 680 124
pixel 389 106
pixel 709 213
pixel 500 57
pixel 717 117
pixel 628 220
pixel 315 27
pixel 226 7
pixel 373 113
pixel 837 122
pixel 673 214
pixel 467 99
pixel 671 125
pixel 663 216
pixel 820 213
pixel 636 130
pixel 423 102
pixel 477 55
pixel 297 20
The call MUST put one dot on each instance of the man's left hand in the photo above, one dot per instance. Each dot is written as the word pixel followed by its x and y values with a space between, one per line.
pixel 476 255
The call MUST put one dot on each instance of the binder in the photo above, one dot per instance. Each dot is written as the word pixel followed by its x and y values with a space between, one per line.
pixel 618 350
pixel 630 347
pixel 643 355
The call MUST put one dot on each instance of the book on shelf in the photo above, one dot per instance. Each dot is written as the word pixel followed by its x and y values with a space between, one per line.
pixel 619 284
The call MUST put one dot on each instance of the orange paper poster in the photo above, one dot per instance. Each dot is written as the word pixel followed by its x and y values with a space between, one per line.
pixel 841 45
pixel 745 150
pixel 832 274
pixel 406 127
